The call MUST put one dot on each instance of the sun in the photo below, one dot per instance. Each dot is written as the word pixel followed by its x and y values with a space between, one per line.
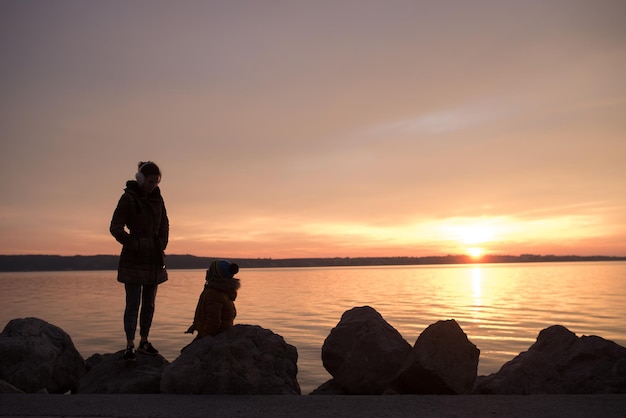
pixel 471 236
pixel 475 252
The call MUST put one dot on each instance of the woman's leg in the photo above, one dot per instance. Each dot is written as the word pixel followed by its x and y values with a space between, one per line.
pixel 148 299
pixel 133 298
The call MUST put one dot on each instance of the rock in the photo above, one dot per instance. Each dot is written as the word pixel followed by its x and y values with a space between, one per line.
pixel 561 363
pixel 330 387
pixel 245 359
pixel 109 373
pixel 443 361
pixel 363 352
pixel 6 387
pixel 37 356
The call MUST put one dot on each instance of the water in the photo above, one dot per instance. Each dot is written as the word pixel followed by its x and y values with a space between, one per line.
pixel 501 307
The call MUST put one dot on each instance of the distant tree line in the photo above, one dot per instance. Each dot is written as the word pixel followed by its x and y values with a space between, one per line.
pixel 109 262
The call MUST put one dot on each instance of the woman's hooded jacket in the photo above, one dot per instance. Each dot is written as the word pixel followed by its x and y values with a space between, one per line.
pixel 216 307
pixel 142 260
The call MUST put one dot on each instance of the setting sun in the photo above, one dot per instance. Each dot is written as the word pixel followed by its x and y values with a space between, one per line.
pixel 475 252
pixel 472 236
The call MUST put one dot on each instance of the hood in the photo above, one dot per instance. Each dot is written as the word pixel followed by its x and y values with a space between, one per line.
pixel 229 286
pixel 132 187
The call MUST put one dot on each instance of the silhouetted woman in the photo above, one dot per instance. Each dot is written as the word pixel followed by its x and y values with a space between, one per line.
pixel 141 210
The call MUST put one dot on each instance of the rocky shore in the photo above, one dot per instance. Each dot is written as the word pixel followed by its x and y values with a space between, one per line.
pixel 364 354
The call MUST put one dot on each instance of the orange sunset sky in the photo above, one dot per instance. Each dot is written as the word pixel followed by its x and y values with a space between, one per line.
pixel 317 128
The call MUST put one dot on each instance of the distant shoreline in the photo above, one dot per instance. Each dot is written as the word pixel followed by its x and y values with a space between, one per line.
pixel 15 263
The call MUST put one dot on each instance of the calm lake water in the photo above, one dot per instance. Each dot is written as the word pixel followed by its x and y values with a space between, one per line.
pixel 501 307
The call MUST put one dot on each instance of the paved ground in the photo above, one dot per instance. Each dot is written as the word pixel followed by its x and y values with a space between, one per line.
pixel 39 405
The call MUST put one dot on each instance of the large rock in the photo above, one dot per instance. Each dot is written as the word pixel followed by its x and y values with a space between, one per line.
pixel 561 363
pixel 109 373
pixel 245 359
pixel 443 361
pixel 330 387
pixel 6 387
pixel 363 352
pixel 36 356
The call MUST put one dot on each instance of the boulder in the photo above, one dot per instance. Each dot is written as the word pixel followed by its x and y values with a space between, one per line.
pixel 6 387
pixel 245 359
pixel 559 362
pixel 109 373
pixel 443 361
pixel 37 356
pixel 330 387
pixel 363 352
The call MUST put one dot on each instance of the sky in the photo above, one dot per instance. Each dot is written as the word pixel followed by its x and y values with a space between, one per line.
pixel 344 128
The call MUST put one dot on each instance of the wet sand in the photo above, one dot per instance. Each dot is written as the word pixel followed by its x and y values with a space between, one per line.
pixel 42 405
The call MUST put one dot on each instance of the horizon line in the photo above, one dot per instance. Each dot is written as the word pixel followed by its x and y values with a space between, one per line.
pixel 334 257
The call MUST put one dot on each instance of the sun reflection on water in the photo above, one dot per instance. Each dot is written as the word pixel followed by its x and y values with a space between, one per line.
pixel 476 308
pixel 476 285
